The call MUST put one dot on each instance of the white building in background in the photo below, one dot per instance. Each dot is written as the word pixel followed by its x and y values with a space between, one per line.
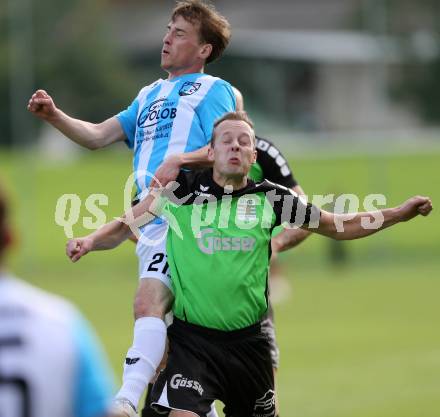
pixel 346 84
pixel 342 82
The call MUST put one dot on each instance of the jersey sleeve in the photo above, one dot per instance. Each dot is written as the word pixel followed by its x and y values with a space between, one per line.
pixel 183 188
pixel 93 378
pixel 274 166
pixel 127 118
pixel 291 209
pixel 219 100
pixel 174 197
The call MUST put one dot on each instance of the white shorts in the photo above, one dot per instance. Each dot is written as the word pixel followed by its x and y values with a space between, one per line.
pixel 151 252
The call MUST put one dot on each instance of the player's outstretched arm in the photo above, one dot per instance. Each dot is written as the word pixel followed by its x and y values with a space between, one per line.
pixel 106 237
pixel 354 226
pixel 89 135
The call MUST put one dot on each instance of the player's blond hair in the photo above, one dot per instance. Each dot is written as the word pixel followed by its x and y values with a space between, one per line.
pixel 239 116
pixel 213 27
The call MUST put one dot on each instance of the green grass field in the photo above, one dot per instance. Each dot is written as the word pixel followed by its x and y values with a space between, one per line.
pixel 357 340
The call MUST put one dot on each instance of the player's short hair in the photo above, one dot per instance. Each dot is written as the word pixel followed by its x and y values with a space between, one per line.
pixel 213 27
pixel 239 116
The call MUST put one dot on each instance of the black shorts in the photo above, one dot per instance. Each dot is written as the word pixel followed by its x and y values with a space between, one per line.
pixel 205 364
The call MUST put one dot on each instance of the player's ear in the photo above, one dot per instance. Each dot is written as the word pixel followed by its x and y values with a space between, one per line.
pixel 254 159
pixel 210 153
pixel 205 51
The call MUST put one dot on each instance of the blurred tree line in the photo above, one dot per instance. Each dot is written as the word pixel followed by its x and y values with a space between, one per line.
pixel 73 58
pixel 416 27
pixel 72 55
pixel 418 82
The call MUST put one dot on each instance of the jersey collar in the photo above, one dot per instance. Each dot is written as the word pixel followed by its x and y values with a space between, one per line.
pixel 219 191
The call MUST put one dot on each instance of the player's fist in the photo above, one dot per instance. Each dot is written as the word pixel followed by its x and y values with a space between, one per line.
pixel 77 248
pixel 42 105
pixel 415 206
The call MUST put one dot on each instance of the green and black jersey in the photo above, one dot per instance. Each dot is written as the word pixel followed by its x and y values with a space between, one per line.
pixel 218 247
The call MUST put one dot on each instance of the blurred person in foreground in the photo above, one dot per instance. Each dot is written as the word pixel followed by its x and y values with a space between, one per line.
pixel 168 125
pixel 219 270
pixel 51 363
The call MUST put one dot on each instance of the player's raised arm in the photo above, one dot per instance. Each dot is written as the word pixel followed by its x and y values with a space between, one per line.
pixel 354 226
pixel 89 135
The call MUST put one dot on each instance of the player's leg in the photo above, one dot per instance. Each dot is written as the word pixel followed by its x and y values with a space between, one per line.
pixel 268 329
pixel 149 411
pixel 250 383
pixel 179 413
pixel 190 381
pixel 277 406
pixel 213 412
pixel 152 301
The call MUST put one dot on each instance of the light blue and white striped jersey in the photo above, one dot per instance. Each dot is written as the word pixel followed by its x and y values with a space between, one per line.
pixel 169 117
pixel 51 363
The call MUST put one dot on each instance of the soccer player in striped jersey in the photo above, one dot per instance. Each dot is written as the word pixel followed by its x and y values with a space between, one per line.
pixel 51 363
pixel 168 125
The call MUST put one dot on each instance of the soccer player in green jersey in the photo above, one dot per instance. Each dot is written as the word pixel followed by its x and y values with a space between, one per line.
pixel 218 252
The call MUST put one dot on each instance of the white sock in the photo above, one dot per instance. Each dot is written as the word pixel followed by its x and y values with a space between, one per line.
pixel 213 412
pixel 143 358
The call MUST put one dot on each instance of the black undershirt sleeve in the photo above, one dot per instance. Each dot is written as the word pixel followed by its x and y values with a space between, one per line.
pixel 291 209
pixel 273 164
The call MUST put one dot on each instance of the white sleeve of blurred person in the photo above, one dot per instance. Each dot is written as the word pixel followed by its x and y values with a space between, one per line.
pixel 288 238
pixel 94 387
pixel 89 135
pixel 47 343
pixel 51 362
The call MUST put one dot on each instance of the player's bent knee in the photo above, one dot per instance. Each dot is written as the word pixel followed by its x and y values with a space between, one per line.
pixel 180 413
pixel 153 299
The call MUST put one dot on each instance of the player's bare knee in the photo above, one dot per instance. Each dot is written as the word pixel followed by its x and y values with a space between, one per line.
pixel 153 299
pixel 180 413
